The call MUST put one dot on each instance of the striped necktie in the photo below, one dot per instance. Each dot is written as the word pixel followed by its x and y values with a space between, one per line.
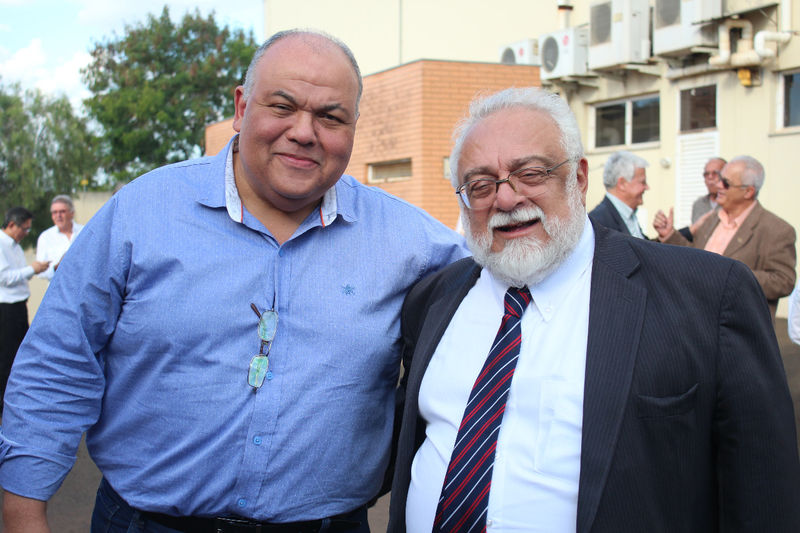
pixel 465 494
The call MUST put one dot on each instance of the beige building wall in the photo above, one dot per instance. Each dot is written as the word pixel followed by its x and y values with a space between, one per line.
pixel 387 33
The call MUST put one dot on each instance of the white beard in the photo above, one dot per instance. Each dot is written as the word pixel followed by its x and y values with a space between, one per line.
pixel 527 260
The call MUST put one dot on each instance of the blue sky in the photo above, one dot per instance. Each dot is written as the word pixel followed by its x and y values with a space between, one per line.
pixel 45 43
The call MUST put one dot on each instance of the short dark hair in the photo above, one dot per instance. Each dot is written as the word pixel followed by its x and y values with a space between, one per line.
pixel 17 215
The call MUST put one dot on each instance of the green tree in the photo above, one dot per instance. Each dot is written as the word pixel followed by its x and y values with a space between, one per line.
pixel 45 149
pixel 157 87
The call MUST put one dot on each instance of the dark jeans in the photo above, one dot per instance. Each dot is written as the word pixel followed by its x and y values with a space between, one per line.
pixel 112 515
pixel 13 327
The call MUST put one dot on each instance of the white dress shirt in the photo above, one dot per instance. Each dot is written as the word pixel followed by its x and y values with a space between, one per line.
pixel 537 462
pixel 52 245
pixel 14 273
pixel 794 315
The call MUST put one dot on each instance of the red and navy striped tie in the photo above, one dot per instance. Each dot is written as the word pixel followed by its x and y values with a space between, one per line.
pixel 465 494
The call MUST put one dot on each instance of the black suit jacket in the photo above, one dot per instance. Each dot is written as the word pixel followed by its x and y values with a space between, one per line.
pixel 687 419
pixel 607 215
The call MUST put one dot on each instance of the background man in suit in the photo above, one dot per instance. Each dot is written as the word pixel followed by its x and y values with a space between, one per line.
pixel 625 179
pixel 744 230
pixel 646 388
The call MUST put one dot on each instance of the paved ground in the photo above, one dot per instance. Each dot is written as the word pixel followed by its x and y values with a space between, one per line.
pixel 70 509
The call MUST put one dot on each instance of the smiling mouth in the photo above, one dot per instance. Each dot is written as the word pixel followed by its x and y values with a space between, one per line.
pixel 517 226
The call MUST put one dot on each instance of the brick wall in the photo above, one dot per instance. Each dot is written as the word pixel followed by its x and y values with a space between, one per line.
pixel 410 111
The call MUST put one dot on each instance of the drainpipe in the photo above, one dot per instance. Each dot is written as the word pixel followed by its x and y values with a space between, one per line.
pixel 564 14
pixel 761 38
pixel 744 45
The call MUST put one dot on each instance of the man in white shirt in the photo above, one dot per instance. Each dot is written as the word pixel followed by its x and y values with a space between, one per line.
pixel 625 179
pixel 54 241
pixel 630 386
pixel 14 291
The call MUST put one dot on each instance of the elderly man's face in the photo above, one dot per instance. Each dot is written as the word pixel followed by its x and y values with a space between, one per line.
pixel 737 194
pixel 522 233
pixel 711 175
pixel 297 126
pixel 62 216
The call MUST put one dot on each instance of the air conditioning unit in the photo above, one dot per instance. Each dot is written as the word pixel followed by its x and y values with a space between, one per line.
pixel 680 25
pixel 520 53
pixel 619 33
pixel 563 53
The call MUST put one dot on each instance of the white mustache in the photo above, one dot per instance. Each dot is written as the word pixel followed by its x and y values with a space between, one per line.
pixel 517 216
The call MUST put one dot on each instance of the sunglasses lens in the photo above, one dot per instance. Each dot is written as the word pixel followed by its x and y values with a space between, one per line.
pixel 725 183
pixel 267 325
pixel 258 370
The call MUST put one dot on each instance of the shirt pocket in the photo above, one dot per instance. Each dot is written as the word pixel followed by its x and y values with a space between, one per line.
pixel 558 442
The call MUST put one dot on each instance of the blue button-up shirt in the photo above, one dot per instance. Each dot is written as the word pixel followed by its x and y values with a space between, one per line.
pixel 146 335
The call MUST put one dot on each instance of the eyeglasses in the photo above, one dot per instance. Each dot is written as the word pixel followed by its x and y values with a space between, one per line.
pixel 726 184
pixel 481 192
pixel 259 364
pixel 710 173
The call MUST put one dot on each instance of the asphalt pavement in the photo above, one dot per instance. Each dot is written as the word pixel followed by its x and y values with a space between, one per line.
pixel 70 510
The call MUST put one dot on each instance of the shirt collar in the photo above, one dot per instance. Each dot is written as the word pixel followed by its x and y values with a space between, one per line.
pixel 6 237
pixel 551 292
pixel 734 222
pixel 624 209
pixel 233 202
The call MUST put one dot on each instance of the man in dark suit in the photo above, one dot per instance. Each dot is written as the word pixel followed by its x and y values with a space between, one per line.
pixel 630 387
pixel 743 230
pixel 625 180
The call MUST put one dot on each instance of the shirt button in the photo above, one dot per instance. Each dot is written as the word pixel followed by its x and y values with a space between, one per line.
pixel 242 502
pixel 257 440
pixel 280 252
pixel 489 523
pixel 269 374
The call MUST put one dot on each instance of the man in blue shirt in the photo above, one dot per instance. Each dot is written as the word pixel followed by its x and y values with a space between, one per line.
pixel 226 329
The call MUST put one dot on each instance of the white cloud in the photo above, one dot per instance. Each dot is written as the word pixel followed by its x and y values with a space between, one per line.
pixel 25 65
pixel 66 78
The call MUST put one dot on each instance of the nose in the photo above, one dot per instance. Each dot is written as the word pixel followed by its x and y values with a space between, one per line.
pixel 302 129
pixel 507 197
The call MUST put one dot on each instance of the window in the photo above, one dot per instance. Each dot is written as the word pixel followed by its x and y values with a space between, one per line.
pixel 389 171
pixel 631 121
pixel 699 108
pixel 791 100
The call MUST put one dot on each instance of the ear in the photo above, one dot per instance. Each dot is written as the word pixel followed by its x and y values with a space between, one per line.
pixel 622 184
pixel 582 175
pixel 239 105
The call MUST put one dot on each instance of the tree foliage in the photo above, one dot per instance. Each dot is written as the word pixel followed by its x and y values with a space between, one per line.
pixel 157 87
pixel 45 149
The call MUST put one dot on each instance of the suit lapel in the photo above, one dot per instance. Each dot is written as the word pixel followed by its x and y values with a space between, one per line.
pixel 443 306
pixel 745 232
pixel 616 313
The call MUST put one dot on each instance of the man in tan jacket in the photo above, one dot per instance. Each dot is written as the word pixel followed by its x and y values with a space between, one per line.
pixel 743 230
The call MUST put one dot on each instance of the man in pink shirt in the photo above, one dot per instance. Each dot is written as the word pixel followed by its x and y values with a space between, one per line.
pixel 744 230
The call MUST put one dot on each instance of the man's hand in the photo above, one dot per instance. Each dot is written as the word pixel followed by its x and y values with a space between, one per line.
pixel 24 515
pixel 40 266
pixel 663 224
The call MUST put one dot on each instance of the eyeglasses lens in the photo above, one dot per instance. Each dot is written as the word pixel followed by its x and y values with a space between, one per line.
pixel 259 364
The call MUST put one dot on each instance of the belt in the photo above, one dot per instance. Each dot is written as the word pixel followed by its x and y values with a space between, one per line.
pixel 191 524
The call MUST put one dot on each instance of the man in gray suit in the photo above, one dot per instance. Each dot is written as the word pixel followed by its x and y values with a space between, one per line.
pixel 742 229
pixel 630 386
